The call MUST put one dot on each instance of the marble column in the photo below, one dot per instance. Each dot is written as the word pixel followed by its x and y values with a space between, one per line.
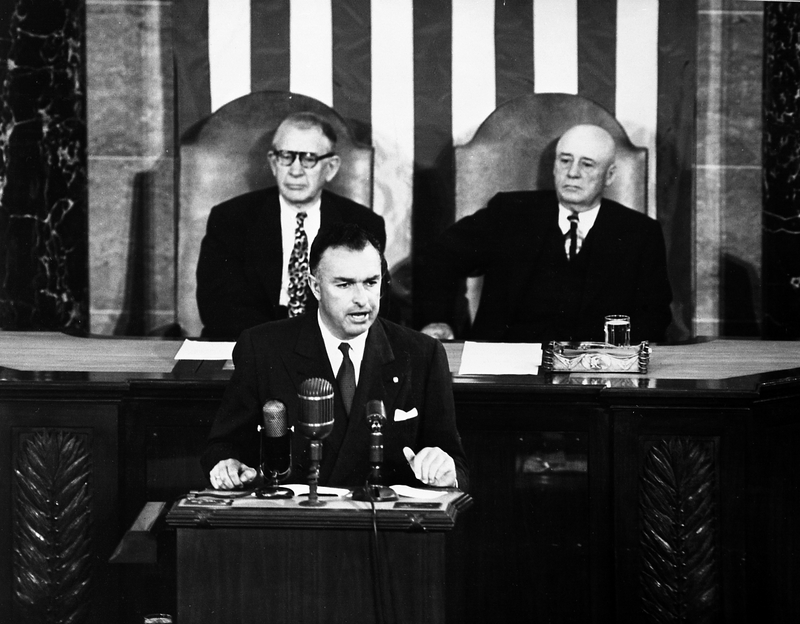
pixel 727 225
pixel 43 180
pixel 130 109
pixel 781 218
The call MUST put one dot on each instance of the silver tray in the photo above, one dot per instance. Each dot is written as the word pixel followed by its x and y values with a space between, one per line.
pixel 595 357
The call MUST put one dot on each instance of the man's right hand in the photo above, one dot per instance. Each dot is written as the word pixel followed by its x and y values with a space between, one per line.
pixel 442 331
pixel 230 474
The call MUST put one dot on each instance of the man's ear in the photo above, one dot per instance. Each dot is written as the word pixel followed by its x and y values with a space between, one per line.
pixel 333 163
pixel 611 173
pixel 313 283
pixel 273 164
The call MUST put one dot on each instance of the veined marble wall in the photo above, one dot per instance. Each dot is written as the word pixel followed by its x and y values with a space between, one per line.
pixel 728 168
pixel 43 254
pixel 131 167
pixel 782 172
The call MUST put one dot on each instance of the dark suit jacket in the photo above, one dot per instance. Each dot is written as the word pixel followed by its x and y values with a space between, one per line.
pixel 401 367
pixel 241 258
pixel 627 271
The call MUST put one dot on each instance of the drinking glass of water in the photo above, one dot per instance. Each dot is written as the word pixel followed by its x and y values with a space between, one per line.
pixel 618 330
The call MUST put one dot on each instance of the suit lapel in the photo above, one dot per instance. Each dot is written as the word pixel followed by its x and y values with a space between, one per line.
pixel 267 243
pixel 329 211
pixel 379 379
pixel 541 220
pixel 342 449
pixel 308 360
pixel 605 253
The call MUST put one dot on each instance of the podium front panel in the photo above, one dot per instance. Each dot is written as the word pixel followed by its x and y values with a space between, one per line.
pixel 232 575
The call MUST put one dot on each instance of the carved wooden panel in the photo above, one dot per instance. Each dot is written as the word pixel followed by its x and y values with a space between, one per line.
pixel 51 541
pixel 678 514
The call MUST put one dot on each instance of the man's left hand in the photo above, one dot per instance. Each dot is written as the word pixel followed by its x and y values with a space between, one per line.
pixel 432 466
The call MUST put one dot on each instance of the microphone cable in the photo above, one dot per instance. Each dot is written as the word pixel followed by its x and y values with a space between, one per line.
pixel 377 561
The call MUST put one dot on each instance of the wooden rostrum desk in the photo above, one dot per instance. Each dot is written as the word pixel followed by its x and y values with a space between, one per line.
pixel 288 563
pixel 596 498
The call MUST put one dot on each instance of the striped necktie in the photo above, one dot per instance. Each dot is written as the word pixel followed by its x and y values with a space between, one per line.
pixel 298 269
pixel 573 240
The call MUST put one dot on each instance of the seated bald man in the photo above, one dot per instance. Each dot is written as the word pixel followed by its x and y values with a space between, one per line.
pixel 545 278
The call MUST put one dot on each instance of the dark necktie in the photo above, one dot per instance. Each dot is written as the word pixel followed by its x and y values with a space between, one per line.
pixel 346 377
pixel 298 269
pixel 573 235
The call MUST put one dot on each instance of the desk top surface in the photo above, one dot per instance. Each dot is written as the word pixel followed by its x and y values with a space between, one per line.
pixel 145 358
pixel 335 512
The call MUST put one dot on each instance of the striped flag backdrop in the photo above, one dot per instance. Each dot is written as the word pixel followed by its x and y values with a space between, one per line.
pixel 416 77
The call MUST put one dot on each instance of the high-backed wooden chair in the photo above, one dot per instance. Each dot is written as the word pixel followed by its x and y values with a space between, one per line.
pixel 514 150
pixel 225 155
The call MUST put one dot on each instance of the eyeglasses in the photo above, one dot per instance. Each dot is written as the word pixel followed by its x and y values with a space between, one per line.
pixel 308 160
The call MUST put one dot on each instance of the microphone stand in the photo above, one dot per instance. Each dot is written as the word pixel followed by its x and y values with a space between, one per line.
pixel 273 490
pixel 274 432
pixel 316 423
pixel 315 455
pixel 374 490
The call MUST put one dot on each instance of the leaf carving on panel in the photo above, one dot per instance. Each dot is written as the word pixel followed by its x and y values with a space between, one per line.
pixel 51 541
pixel 678 515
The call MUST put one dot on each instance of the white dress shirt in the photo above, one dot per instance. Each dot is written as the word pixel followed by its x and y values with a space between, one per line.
pixel 586 221
pixel 335 356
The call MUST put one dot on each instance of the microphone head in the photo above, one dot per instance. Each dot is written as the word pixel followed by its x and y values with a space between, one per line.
pixel 316 408
pixel 316 388
pixel 276 443
pixel 274 418
pixel 376 412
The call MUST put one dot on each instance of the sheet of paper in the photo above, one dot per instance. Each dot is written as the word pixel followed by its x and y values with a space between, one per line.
pixel 411 492
pixel 202 350
pixel 500 358
pixel 300 489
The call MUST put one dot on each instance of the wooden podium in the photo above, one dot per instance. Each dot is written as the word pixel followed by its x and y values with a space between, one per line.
pixel 257 560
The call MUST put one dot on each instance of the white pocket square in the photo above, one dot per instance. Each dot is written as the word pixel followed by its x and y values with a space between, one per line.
pixel 400 415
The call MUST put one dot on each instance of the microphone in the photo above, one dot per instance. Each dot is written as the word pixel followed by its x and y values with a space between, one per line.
pixel 315 422
pixel 316 408
pixel 374 490
pixel 376 417
pixel 276 450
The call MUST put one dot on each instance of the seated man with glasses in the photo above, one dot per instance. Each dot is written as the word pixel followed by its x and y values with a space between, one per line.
pixel 253 261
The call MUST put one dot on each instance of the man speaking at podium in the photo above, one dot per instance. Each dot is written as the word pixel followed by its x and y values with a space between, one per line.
pixel 373 359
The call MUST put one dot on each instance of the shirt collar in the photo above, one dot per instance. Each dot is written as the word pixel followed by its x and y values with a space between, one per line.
pixel 586 219
pixel 357 345
pixel 287 208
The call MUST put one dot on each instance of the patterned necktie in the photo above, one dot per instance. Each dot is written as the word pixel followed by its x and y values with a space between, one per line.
pixel 573 240
pixel 346 377
pixel 298 269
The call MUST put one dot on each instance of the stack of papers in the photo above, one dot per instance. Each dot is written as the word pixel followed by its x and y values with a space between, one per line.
pixel 500 358
pixel 302 489
pixel 202 350
pixel 477 358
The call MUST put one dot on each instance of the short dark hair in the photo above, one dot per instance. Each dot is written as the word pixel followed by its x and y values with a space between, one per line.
pixel 348 235
pixel 308 119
